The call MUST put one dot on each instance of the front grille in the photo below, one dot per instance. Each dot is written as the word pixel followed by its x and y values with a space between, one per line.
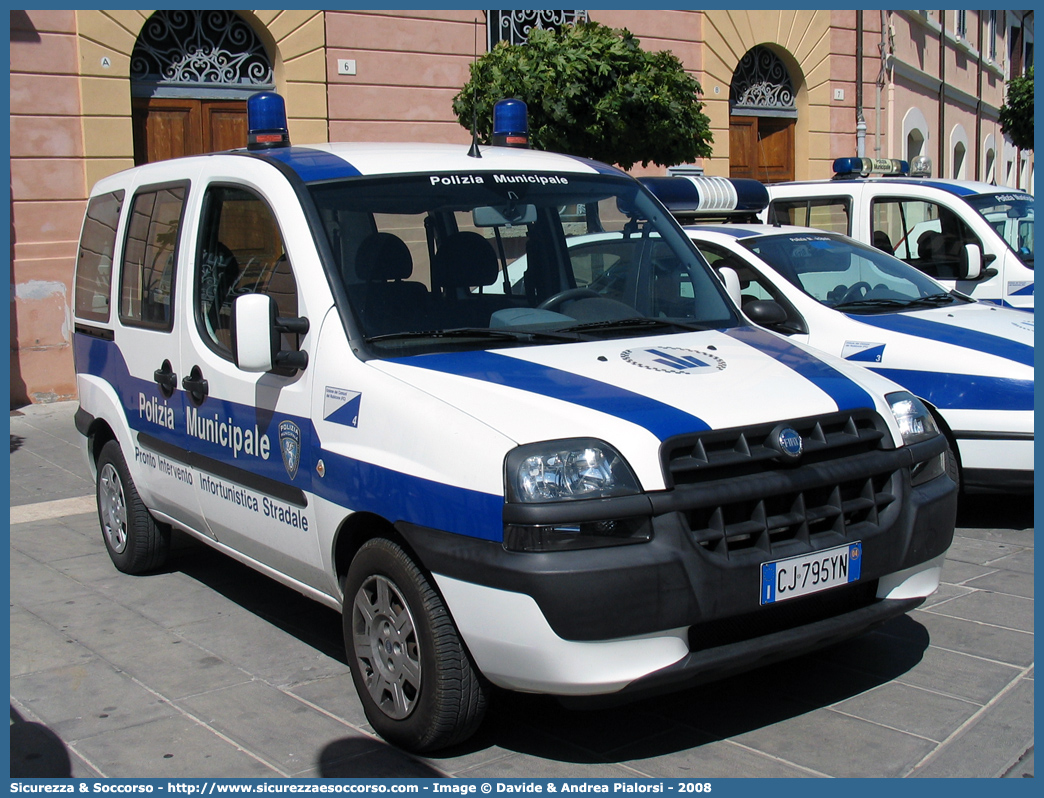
pixel 722 454
pixel 807 519
pixel 738 497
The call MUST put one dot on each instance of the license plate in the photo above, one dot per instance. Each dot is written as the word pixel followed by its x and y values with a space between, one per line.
pixel 810 573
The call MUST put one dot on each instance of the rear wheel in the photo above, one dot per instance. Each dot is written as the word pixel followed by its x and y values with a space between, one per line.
pixel 413 675
pixel 136 542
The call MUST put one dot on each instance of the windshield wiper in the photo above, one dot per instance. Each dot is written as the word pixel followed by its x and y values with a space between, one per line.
pixel 475 332
pixel 632 324
pixel 932 300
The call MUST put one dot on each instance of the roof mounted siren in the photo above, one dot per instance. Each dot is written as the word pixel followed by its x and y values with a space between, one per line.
pixel 511 124
pixel 688 198
pixel 266 121
pixel 921 166
pixel 851 168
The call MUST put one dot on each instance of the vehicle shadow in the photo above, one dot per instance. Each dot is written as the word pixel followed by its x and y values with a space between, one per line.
pixel 995 511
pixel 544 727
pixel 286 609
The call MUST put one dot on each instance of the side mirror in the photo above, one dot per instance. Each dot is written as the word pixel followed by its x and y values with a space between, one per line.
pixel 732 283
pixel 765 312
pixel 256 335
pixel 971 262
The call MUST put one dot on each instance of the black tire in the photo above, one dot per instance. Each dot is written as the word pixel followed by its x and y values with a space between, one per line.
pixel 413 675
pixel 136 542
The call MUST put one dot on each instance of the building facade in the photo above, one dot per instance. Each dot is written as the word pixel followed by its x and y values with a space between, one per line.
pixel 787 91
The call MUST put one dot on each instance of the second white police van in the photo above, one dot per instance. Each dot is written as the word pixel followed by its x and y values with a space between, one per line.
pixel 975 237
pixel 290 353
pixel 971 362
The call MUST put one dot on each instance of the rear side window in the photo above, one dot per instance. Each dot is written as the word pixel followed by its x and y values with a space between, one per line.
pixel 149 257
pixel 925 234
pixel 93 294
pixel 832 214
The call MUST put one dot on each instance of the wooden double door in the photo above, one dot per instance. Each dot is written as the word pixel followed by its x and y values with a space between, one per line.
pixel 762 148
pixel 170 127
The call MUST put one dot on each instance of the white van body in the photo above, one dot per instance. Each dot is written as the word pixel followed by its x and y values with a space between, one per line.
pixel 287 354
pixel 971 361
pixel 927 223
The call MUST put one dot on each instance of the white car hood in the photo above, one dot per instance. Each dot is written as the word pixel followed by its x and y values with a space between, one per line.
pixel 637 392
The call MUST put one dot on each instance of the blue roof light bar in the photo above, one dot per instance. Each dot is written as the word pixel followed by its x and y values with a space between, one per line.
pixel 709 196
pixel 847 168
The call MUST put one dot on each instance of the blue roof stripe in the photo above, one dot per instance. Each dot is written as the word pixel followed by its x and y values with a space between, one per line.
pixel 312 164
pixel 661 419
pixel 845 393
pixel 951 334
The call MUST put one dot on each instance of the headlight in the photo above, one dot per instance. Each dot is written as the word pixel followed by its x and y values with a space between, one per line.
pixel 565 472
pixel 581 468
pixel 914 419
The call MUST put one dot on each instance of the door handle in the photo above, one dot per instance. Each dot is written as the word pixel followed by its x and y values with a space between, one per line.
pixel 166 379
pixel 197 387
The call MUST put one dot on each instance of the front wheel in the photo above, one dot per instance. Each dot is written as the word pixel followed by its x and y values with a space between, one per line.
pixel 136 542
pixel 413 675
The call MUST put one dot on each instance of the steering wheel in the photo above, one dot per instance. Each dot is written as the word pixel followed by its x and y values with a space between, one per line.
pixel 552 302
pixel 856 292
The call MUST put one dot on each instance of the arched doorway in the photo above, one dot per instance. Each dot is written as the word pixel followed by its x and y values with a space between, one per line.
pixel 191 72
pixel 762 118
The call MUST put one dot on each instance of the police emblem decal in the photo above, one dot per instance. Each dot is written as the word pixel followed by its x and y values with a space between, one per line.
pixel 290 446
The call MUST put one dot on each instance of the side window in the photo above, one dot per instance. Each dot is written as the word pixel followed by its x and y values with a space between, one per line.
pixel 94 261
pixel 240 252
pixel 927 235
pixel 832 214
pixel 753 286
pixel 149 256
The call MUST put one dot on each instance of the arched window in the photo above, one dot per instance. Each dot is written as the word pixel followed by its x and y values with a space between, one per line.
pixel 958 153
pixel 761 86
pixel 989 160
pixel 915 134
pixel 513 26
pixel 182 53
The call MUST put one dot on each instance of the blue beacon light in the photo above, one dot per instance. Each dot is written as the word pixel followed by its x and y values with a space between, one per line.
pixel 510 124
pixel 266 120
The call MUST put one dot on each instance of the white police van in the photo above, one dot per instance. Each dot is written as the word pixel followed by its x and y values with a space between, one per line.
pixel 975 237
pixel 287 353
pixel 970 362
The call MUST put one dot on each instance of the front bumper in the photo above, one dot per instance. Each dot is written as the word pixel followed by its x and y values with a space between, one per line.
pixel 686 604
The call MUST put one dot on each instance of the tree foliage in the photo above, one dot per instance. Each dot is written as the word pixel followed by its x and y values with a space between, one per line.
pixel 1016 115
pixel 592 91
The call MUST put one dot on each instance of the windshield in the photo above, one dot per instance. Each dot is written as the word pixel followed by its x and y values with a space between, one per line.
pixel 1011 215
pixel 846 275
pixel 436 262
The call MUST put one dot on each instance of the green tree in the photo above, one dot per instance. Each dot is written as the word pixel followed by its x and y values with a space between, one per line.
pixel 1016 115
pixel 592 91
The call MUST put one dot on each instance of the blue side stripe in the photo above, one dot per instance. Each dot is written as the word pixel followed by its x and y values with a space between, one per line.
pixel 312 164
pixel 845 393
pixel 964 391
pixel 661 419
pixel 366 487
pixel 951 334
pixel 359 486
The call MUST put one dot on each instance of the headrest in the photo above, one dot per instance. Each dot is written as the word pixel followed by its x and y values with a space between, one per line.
pixel 464 260
pixel 383 256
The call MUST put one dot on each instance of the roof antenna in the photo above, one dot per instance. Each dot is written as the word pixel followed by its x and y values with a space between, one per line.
pixel 474 151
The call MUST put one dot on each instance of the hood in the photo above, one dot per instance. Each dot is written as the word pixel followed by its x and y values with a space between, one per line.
pixel 635 393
